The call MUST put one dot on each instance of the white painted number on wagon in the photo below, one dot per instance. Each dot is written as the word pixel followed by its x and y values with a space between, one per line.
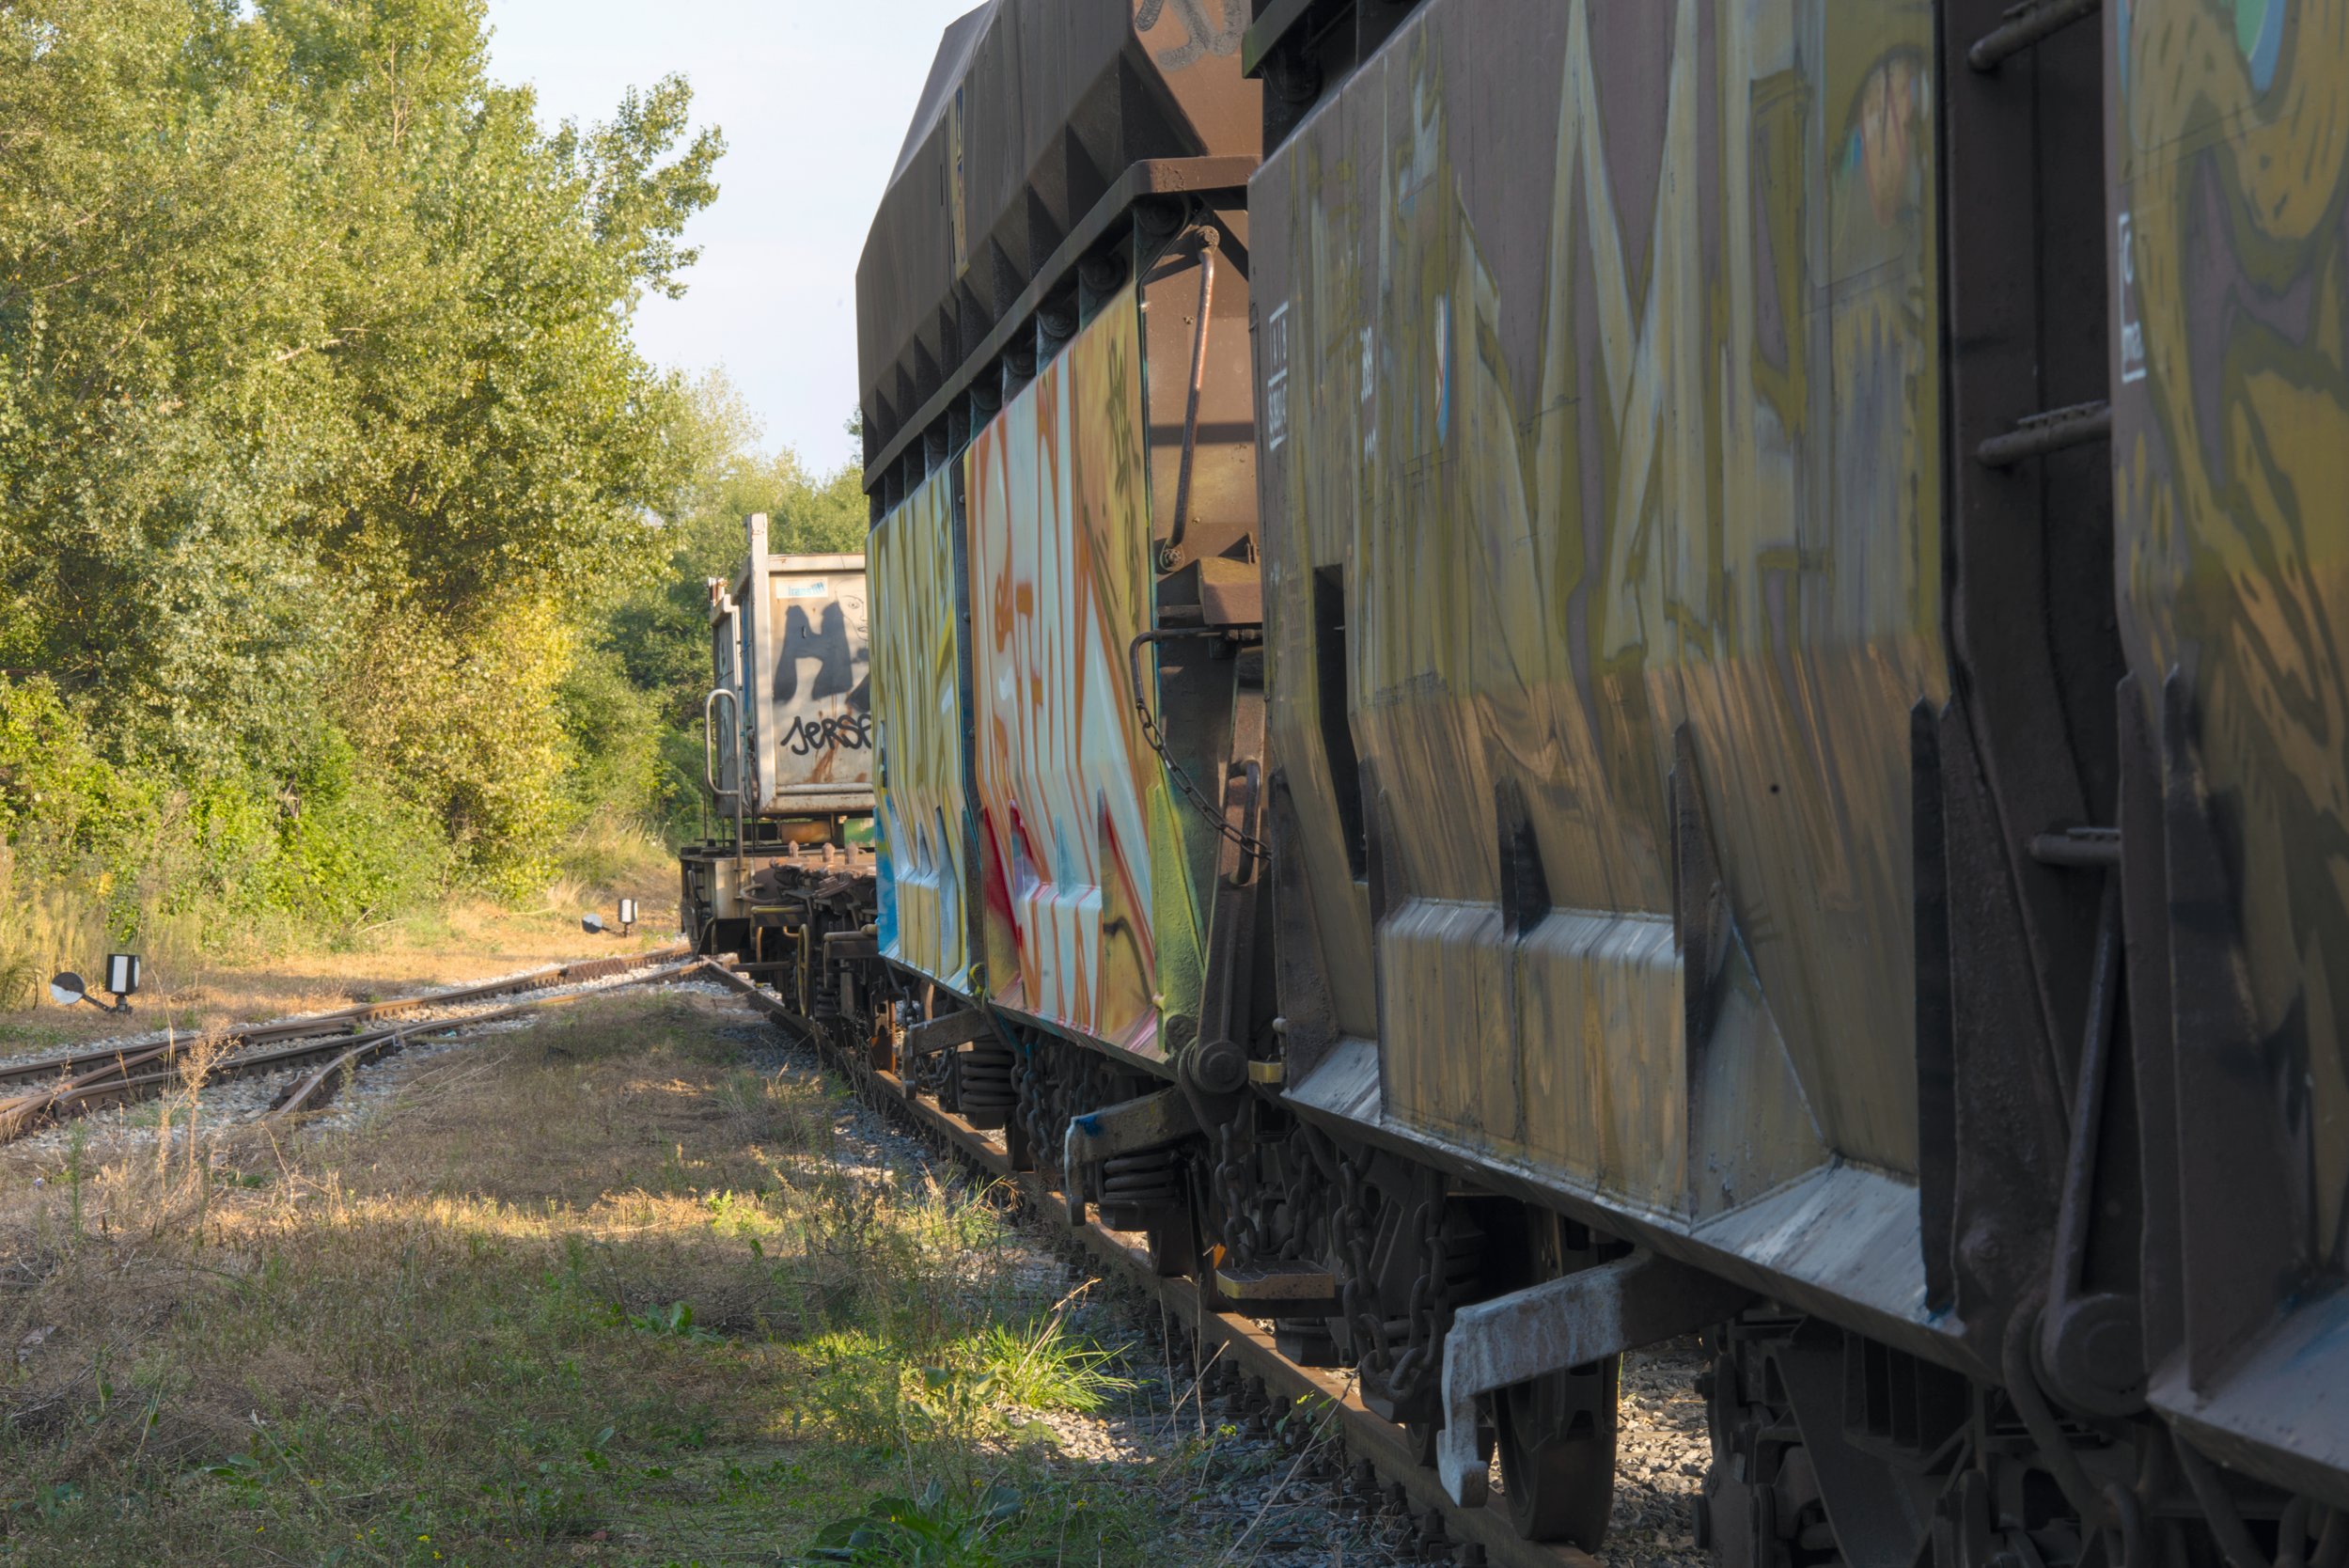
pixel 2132 330
pixel 1277 378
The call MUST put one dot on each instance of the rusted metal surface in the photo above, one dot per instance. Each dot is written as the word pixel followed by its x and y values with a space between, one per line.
pixel 2229 154
pixel 367 1047
pixel 1278 1289
pixel 929 900
pixel 1130 1126
pixel 1369 1438
pixel 1196 294
pixel 890 472
pixel 1781 610
pixel 313 1093
pixel 343 1019
pixel 143 1074
pixel 943 1034
pixel 1839 1240
pixel 1599 380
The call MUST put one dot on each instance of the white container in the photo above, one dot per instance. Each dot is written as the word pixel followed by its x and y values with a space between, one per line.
pixel 804 684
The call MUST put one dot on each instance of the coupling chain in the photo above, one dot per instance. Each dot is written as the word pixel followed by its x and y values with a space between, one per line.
pixel 1305 1200
pixel 1248 843
pixel 1034 1113
pixel 1235 1184
pixel 1350 1227
pixel 1431 1313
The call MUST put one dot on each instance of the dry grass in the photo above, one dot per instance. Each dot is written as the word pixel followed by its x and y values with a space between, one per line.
pixel 192 987
pixel 46 926
pixel 602 1294
pixel 207 968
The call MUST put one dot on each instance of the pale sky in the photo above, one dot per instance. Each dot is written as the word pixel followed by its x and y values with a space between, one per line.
pixel 814 96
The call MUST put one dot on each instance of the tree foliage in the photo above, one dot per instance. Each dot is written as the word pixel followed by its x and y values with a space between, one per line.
pixel 326 453
pixel 657 638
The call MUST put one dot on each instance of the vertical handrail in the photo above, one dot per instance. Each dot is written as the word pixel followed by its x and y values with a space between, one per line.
pixel 708 742
pixel 709 757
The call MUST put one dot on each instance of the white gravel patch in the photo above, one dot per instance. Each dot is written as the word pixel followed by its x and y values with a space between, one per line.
pixel 1661 1451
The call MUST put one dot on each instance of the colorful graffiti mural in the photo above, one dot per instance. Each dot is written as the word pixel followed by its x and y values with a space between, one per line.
pixel 2230 465
pixel 1059 531
pixel 1643 444
pixel 920 805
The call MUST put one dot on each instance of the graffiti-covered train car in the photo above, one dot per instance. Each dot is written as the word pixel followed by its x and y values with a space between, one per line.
pixel 1064 553
pixel 787 742
pixel 1552 673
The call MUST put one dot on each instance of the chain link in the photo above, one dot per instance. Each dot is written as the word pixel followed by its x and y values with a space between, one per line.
pixel 1235 1184
pixel 1307 1201
pixel 1350 1227
pixel 1248 843
pixel 1431 1313
pixel 1035 1109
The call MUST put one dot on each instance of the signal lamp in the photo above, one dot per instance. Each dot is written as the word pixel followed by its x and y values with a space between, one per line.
pixel 627 916
pixel 122 983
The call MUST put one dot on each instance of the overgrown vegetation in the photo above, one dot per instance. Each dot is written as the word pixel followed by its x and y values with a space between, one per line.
pixel 602 1294
pixel 649 667
pixel 339 516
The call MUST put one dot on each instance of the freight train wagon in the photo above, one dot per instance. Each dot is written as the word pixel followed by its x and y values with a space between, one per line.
pixel 1549 673
pixel 782 877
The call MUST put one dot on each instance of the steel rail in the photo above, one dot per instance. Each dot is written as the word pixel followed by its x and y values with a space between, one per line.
pixel 238 1035
pixel 349 1055
pixel 124 1075
pixel 1369 1438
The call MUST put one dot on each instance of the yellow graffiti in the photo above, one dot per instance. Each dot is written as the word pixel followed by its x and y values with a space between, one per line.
pixel 917 704
pixel 1711 499
pixel 1058 533
pixel 2231 461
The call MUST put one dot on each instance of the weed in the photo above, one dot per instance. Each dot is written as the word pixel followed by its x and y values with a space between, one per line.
pixel 674 1322
pixel 52 1501
pixel 443 1326
pixel 265 1463
pixel 1045 1366
pixel 934 1531
pixel 78 1145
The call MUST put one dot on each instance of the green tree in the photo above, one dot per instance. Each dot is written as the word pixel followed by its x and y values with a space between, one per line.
pixel 658 637
pixel 324 448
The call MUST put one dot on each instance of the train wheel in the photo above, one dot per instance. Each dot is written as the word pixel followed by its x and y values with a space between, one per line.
pixel 1556 1441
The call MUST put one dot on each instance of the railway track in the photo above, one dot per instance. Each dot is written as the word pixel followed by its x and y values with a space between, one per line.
pixel 1379 1451
pixel 334 1044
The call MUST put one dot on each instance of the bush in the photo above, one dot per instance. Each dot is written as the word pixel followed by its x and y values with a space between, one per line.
pixel 613 727
pixel 465 723
pixel 97 852
pixel 322 439
pixel 362 856
pixel 55 788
